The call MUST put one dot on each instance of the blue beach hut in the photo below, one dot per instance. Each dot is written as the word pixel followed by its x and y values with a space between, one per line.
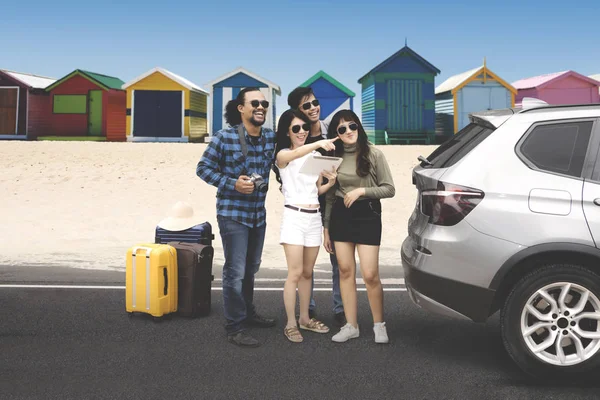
pixel 228 86
pixel 398 100
pixel 478 89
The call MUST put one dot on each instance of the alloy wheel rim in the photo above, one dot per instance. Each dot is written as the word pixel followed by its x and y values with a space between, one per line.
pixel 560 324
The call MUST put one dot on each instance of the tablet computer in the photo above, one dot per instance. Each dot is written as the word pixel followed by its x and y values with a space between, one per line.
pixel 317 163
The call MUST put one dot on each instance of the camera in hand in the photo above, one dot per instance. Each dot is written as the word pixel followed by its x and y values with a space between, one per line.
pixel 259 182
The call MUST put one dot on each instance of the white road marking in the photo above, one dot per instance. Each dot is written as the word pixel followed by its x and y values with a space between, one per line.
pixel 359 281
pixel 63 287
pixel 262 289
pixel 318 289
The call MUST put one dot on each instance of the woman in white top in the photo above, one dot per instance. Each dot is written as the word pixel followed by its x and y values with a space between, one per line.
pixel 301 227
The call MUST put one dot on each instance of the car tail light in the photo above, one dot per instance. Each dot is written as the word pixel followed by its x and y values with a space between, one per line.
pixel 449 204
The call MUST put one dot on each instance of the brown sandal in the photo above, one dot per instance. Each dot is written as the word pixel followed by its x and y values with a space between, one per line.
pixel 315 326
pixel 293 334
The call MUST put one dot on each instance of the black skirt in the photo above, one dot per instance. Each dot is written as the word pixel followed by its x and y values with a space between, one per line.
pixel 361 223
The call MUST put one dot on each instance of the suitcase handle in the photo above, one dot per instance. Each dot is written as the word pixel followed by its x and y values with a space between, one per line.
pixel 166 290
pixel 147 249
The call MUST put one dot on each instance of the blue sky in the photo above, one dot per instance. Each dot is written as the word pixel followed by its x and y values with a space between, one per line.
pixel 288 41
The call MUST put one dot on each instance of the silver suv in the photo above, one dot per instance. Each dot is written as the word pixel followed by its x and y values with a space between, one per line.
pixel 507 219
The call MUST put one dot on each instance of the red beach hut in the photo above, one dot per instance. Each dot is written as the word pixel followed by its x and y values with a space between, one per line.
pixel 24 105
pixel 87 106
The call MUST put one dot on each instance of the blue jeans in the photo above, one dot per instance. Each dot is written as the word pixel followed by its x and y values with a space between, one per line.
pixel 338 307
pixel 242 247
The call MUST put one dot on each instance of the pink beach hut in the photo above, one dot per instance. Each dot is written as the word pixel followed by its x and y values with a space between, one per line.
pixel 567 87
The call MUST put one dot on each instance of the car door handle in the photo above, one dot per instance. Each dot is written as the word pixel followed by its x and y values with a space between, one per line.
pixel 597 202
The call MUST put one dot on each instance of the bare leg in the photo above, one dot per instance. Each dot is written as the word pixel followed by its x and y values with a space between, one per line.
pixel 347 266
pixel 305 283
pixel 294 257
pixel 369 269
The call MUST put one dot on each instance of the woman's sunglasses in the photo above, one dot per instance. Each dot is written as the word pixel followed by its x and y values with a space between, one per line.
pixel 296 128
pixel 255 103
pixel 342 129
pixel 307 105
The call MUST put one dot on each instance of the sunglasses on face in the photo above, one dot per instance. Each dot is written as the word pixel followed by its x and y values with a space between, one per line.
pixel 256 103
pixel 342 129
pixel 307 105
pixel 304 127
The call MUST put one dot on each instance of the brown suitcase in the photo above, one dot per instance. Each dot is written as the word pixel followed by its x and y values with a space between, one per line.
pixel 194 264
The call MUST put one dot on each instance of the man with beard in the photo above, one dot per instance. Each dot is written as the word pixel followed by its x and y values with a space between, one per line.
pixel 241 213
pixel 303 99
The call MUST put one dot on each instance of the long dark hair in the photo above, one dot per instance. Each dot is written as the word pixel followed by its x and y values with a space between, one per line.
pixel 282 140
pixel 363 165
pixel 232 114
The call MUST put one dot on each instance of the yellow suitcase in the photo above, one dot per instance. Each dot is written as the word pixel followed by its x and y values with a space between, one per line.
pixel 151 279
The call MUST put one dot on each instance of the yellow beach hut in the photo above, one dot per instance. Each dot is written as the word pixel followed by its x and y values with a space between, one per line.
pixel 165 107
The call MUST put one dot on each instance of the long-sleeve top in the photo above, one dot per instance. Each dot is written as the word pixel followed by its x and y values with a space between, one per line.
pixel 378 183
pixel 222 164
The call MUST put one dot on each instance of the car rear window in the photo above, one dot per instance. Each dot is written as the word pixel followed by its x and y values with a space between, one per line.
pixel 453 150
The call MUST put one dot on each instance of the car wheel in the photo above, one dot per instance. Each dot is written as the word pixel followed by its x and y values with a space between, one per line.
pixel 551 322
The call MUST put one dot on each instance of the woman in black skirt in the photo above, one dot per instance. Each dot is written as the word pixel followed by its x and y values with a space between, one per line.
pixel 353 219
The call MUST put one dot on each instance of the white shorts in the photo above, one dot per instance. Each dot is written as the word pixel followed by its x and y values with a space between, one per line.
pixel 300 228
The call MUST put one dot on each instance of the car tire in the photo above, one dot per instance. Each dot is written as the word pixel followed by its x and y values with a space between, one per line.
pixel 516 318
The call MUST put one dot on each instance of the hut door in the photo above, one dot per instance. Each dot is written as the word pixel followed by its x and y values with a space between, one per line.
pixel 404 105
pixel 8 110
pixel 145 113
pixel 499 98
pixel 157 113
pixel 95 113
pixel 170 114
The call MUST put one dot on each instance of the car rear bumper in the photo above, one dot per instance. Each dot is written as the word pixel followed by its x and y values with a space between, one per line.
pixel 445 296
pixel 429 304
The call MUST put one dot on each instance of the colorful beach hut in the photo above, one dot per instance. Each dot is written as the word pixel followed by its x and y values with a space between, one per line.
pixel 228 86
pixel 87 106
pixel 163 106
pixel 332 95
pixel 566 87
pixel 475 90
pixel 398 100
pixel 23 105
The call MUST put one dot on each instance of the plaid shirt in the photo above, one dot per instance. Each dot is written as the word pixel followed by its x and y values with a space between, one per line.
pixel 222 164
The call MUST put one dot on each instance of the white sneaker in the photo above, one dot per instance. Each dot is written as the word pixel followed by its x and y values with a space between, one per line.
pixel 347 332
pixel 380 333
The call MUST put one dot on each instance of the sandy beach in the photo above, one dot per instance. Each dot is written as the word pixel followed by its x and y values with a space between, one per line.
pixel 83 204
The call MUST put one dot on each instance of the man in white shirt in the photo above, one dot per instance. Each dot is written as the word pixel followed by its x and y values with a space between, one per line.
pixel 303 99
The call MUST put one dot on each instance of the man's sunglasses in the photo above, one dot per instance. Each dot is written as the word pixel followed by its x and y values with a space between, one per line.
pixel 296 128
pixel 255 103
pixel 342 129
pixel 306 106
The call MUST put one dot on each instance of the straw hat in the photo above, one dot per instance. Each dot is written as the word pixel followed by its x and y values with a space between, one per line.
pixel 181 217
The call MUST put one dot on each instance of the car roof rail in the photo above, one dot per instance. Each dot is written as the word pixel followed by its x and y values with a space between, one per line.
pixel 530 104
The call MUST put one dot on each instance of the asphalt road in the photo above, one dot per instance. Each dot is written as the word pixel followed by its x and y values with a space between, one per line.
pixel 80 344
